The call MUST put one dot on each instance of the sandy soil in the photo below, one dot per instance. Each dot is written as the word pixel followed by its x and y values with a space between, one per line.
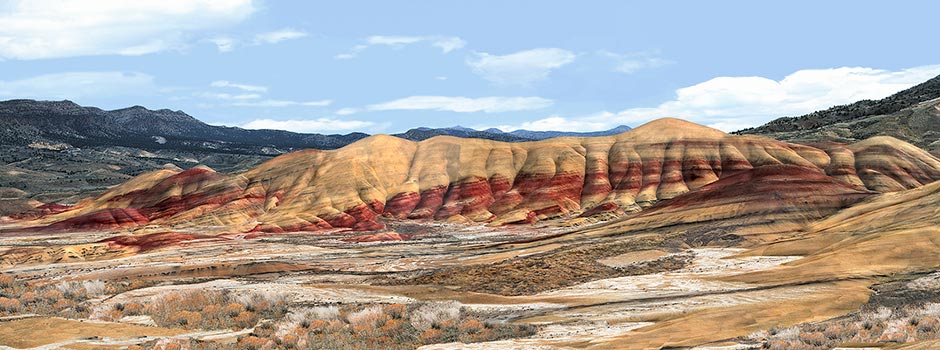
pixel 323 269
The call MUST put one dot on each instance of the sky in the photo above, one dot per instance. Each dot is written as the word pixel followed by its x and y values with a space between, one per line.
pixel 388 66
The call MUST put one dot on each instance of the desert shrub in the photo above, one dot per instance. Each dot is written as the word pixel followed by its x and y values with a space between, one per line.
pixel 29 297
pixel 398 326
pixel 928 325
pixel 300 316
pixel 780 344
pixel 471 326
pixel 431 336
pixel 133 309
pixel 369 316
pixel 52 295
pixel 264 330
pixel 263 302
pixel 931 310
pixel 233 309
pixel 185 318
pixel 6 281
pixel 396 311
pixel 20 296
pixel 252 343
pixel 72 289
pixel 431 314
pixel 9 305
pixel 290 340
pixel 95 287
pixel 182 309
pixel 813 338
pixel 245 319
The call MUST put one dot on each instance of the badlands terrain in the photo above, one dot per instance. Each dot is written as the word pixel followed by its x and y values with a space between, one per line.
pixel 670 235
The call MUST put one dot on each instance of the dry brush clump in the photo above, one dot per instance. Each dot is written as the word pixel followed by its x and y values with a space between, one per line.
pixel 880 325
pixel 399 326
pixel 68 299
pixel 395 326
pixel 206 309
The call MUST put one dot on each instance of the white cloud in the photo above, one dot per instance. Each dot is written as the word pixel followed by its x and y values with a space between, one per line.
pixel 445 43
pixel 555 123
pixel 464 104
pixel 393 40
pixel 448 44
pixel 226 96
pixel 308 125
pixel 224 44
pixel 252 96
pixel 347 111
pixel 278 36
pixel 228 43
pixel 632 62
pixel 243 87
pixel 75 85
pixel 283 103
pixel 37 29
pixel 520 68
pixel 734 103
pixel 352 52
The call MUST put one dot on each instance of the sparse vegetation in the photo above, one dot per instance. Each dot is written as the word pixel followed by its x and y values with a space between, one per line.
pixel 555 269
pixel 69 299
pixel 206 310
pixel 394 326
pixel 64 299
pixel 880 325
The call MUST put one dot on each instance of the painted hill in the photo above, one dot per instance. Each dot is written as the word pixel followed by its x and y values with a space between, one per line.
pixel 460 180
pixel 912 115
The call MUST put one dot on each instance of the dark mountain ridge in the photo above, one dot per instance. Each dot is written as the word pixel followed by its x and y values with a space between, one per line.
pixel 423 133
pixel 27 121
pixel 912 115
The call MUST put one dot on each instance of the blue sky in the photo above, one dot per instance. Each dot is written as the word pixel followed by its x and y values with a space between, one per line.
pixel 387 66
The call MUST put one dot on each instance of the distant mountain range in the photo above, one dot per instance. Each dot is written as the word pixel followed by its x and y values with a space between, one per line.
pixel 419 134
pixel 24 122
pixel 60 151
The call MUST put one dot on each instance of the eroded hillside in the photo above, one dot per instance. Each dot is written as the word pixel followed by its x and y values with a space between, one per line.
pixel 471 180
